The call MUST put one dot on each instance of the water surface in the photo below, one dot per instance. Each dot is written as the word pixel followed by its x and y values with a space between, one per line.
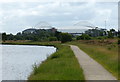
pixel 18 60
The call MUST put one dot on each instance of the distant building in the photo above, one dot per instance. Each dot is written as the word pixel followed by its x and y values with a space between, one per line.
pixel 33 30
pixel 53 30
pixel 73 32
pixel 29 31
pixel 76 34
pixel 97 32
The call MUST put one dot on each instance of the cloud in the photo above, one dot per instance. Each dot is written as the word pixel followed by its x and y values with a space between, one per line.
pixel 16 16
pixel 6 1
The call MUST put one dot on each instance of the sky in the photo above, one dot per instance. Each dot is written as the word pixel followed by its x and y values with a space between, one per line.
pixel 17 15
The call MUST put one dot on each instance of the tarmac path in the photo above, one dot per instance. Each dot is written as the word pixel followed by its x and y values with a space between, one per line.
pixel 92 70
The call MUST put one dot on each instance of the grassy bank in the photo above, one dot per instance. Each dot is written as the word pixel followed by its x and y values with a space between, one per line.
pixel 61 65
pixel 104 52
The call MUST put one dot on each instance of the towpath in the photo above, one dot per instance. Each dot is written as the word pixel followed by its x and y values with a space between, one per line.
pixel 92 70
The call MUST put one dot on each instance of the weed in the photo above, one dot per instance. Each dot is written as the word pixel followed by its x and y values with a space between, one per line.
pixel 35 69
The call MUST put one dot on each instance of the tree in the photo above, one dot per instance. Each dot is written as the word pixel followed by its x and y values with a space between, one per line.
pixel 19 33
pixel 83 37
pixel 101 33
pixel 65 37
pixel 10 37
pixel 58 35
pixel 4 36
pixel 110 34
pixel 118 33
pixel 112 30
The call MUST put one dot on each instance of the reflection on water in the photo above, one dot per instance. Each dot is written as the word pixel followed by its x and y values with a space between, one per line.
pixel 18 60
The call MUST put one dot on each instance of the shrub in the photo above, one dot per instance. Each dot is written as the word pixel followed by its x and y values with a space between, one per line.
pixel 52 39
pixel 83 37
pixel 110 34
pixel 4 37
pixel 55 56
pixel 102 37
pixel 118 41
pixel 78 37
pixel 65 37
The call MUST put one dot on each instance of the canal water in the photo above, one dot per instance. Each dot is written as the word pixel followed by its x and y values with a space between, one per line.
pixel 18 60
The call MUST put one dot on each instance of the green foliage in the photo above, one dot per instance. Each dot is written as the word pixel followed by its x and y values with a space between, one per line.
pixel 38 35
pixel 34 39
pixel 55 56
pixel 4 37
pixel 112 30
pixel 118 42
pixel 65 37
pixel 110 34
pixel 61 65
pixel 10 37
pixel 58 35
pixel 78 38
pixel 111 46
pixel 52 39
pixel 101 33
pixel 0 36
pixel 35 69
pixel 118 34
pixel 83 37
pixel 101 37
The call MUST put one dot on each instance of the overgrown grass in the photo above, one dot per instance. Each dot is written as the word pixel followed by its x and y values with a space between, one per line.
pixel 61 65
pixel 106 55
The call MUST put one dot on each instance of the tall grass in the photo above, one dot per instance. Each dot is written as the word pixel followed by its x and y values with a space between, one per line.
pixel 61 65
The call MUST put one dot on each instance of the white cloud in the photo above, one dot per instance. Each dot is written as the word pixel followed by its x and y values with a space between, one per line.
pixel 58 13
pixel 6 1
pixel 103 14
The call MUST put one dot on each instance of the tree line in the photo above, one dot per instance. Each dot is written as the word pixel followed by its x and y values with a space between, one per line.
pixel 39 35
pixel 43 35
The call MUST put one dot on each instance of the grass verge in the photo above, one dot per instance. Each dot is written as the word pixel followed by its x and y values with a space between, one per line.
pixel 61 65
pixel 106 55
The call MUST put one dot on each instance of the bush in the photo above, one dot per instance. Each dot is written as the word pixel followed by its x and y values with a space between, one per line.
pixel 118 41
pixel 55 56
pixel 65 37
pixel 52 39
pixel 4 37
pixel 83 37
pixel 102 37
pixel 110 35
